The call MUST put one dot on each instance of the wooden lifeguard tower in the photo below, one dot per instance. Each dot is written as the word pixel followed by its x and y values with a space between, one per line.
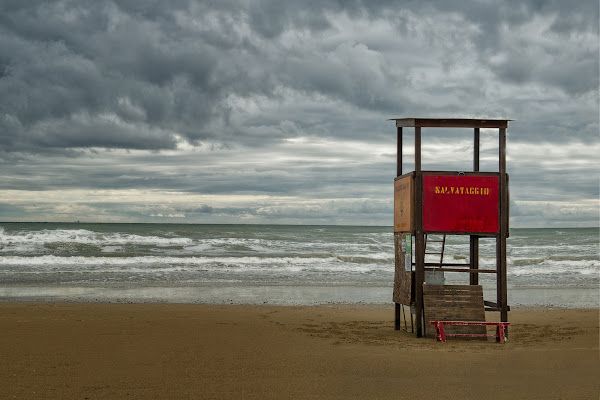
pixel 444 203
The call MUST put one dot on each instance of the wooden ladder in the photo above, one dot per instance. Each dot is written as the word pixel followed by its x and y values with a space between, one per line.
pixel 441 249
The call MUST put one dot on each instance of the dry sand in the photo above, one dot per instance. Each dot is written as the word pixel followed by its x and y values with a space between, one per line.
pixel 165 351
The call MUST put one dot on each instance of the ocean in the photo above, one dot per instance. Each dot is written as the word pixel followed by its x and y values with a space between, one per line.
pixel 272 264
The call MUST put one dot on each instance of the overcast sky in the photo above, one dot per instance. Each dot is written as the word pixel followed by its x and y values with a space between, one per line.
pixel 276 112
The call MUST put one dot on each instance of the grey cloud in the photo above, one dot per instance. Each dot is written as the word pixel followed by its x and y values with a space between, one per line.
pixel 177 63
pixel 270 18
pixel 205 209
pixel 79 79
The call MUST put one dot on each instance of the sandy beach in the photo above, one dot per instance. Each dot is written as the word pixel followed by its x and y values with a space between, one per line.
pixel 109 351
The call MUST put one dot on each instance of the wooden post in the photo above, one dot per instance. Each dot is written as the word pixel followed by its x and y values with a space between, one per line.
pixel 398 173
pixel 419 236
pixel 474 259
pixel 501 243
pixel 474 239
pixel 476 150
pixel 399 152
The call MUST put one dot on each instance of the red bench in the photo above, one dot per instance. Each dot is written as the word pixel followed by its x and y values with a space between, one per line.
pixel 440 335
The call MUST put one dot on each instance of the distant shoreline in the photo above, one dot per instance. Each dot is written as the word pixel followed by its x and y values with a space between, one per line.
pixel 258 225
pixel 272 295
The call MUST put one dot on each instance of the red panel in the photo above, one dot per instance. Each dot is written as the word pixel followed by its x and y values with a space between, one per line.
pixel 460 203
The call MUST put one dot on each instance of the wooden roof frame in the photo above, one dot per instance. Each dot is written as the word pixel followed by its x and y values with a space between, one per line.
pixel 450 123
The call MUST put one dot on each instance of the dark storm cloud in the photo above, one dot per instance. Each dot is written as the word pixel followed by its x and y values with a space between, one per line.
pixel 140 73
pixel 119 72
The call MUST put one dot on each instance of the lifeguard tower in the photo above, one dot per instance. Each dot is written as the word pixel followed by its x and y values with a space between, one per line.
pixel 440 203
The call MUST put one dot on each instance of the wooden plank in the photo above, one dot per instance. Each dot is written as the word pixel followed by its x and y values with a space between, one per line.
pixel 472 271
pixel 465 173
pixel 472 316
pixel 468 329
pixel 403 204
pixel 456 302
pixel 449 309
pixel 451 123
pixel 453 288
pixel 448 314
pixel 402 279
pixel 444 264
pixel 451 305
pixel 463 302
pixel 450 297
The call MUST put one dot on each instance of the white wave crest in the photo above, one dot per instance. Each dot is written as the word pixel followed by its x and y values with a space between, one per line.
pixel 21 240
pixel 51 262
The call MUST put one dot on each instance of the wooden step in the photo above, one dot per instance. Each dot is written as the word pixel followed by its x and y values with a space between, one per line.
pixel 454 303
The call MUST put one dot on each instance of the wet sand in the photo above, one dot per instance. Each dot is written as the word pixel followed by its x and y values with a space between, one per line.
pixel 159 351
